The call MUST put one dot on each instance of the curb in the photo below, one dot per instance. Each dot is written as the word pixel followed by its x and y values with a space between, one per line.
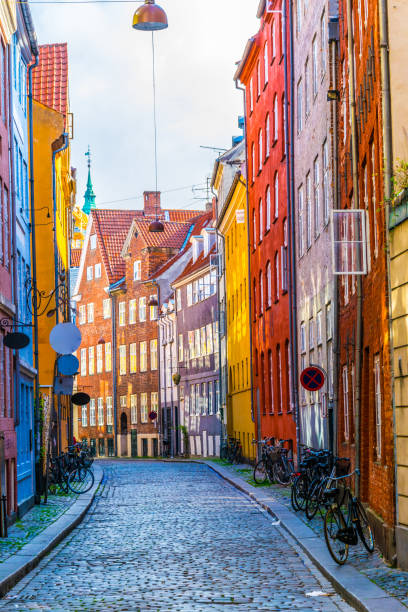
pixel 357 589
pixel 26 559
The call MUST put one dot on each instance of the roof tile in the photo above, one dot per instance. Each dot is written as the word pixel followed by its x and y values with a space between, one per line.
pixel 50 77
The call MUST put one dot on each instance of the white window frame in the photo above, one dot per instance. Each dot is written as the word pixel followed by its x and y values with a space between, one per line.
pixel 89 273
pixel 132 311
pixel 91 361
pixel 92 413
pixel 122 359
pixel 82 314
pixel 108 357
pixel 83 361
pixel 143 408
pixel 107 308
pixel 153 354
pixel 90 312
pixel 109 410
pixel 100 412
pixel 122 314
pixel 98 270
pixel 99 358
pixel 133 357
pixel 137 270
pixel 84 416
pixel 378 405
pixel 180 348
pixel 142 309
pixel 143 356
pixel 133 409
pixel 92 242
pixel 346 403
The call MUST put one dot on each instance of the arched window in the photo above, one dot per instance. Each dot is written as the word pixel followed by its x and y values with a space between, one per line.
pixel 267 136
pixel 254 304
pixel 276 195
pixel 254 228
pixel 261 220
pixel 268 284
pixel 261 293
pixel 253 161
pixel 275 118
pixel 266 63
pixel 268 207
pixel 263 402
pixel 279 378
pixel 276 274
pixel 258 79
pixel 273 37
pixel 260 149
pixel 270 383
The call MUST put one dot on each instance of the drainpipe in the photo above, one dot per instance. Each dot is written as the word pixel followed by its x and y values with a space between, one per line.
pixel 258 408
pixel 359 313
pixel 114 381
pixel 223 417
pixel 387 173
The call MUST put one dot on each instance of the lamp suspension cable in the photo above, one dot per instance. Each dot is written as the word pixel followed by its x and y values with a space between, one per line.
pixel 154 121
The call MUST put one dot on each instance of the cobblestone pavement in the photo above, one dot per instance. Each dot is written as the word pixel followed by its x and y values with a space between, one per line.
pixel 171 536
pixel 33 522
pixel 392 580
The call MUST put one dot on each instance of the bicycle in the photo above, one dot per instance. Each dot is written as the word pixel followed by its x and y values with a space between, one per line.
pixel 264 467
pixel 315 494
pixel 344 527
pixel 283 468
pixel 310 467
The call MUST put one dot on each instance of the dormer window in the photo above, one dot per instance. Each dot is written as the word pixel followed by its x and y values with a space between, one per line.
pixel 137 270
pixel 93 242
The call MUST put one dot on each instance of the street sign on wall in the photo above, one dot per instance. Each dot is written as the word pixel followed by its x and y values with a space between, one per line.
pixel 312 378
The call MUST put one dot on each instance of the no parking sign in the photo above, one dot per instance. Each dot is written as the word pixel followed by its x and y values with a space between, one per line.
pixel 312 378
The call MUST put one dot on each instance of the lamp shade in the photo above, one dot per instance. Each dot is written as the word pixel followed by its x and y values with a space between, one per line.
pixel 150 17
pixel 156 226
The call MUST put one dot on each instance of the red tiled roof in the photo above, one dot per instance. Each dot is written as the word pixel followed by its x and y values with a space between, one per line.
pixel 200 262
pixel 75 257
pixel 183 216
pixel 199 223
pixel 173 236
pixel 112 227
pixel 50 77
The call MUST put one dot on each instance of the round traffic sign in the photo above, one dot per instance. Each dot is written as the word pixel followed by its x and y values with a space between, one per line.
pixel 312 378
pixel 65 338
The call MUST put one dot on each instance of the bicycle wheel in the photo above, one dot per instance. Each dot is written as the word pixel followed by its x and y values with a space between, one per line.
pixel 224 452
pixel 280 474
pixel 238 455
pixel 80 480
pixel 300 489
pixel 292 495
pixel 363 527
pixel 333 522
pixel 313 499
pixel 260 473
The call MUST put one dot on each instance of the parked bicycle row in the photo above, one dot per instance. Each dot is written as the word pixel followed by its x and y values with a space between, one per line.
pixel 70 471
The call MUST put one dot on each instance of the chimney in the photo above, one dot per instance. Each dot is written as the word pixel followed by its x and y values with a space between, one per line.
pixel 149 203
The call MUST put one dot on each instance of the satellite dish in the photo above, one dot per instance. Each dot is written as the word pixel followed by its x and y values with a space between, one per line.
pixel 67 365
pixel 65 338
pixel 16 340
pixel 80 399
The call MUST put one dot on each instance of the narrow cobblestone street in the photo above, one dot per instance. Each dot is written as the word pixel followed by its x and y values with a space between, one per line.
pixel 168 536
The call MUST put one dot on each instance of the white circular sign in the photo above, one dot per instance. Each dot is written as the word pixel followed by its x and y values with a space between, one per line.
pixel 65 338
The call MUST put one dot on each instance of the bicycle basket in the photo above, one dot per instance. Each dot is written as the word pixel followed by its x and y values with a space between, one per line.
pixel 342 467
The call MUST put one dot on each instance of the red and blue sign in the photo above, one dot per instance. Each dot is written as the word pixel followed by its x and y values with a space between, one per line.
pixel 312 378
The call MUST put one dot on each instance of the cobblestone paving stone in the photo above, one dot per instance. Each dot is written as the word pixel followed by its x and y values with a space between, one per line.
pixel 171 536
pixel 392 580
pixel 33 522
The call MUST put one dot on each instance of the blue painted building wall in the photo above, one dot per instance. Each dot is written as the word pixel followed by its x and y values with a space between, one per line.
pixel 21 56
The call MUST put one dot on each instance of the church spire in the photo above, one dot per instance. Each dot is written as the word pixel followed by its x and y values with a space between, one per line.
pixel 89 195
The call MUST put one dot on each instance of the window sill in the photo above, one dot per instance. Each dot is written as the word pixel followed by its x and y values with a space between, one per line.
pixel 276 301
pixel 266 158
pixel 268 307
pixel 275 219
pixel 275 142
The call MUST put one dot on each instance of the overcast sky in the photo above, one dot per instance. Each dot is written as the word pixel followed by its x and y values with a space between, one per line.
pixel 110 75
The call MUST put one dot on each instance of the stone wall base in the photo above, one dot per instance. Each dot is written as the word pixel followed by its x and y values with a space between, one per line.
pixel 384 535
pixel 401 536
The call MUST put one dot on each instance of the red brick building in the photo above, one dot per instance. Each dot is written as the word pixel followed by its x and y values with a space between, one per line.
pixel 365 427
pixel 119 353
pixel 261 71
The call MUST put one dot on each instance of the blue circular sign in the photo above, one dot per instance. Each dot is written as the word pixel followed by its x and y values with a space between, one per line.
pixel 67 365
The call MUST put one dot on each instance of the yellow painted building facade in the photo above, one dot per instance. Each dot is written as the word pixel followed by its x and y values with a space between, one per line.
pixel 232 224
pixel 398 54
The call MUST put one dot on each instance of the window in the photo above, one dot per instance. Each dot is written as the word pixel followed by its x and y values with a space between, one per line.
pixel 284 259
pixel 251 95
pixel 197 400
pixel 133 409
pixel 132 312
pixel 108 357
pixel 217 396
pixel 319 327
pixel 268 285
pixel 122 359
pixel 100 412
pixel 302 338
pixel 210 339
pixel 346 404
pixel 122 315
pixel 374 199
pixel 195 292
pixel 311 334
pixel 254 303
pixel 275 119
pixel 154 402
pixel 178 299
pixel 197 347
pixel 279 378
pixel 153 308
pixel 266 63
pixel 90 309
pixel 323 37
pixel 99 358
pixel 273 39
pixel 308 212
pixel 189 294
pixel 301 221
pixel 276 276
pixel 325 182
pixel 107 308
pixel 314 67
pixel 180 348
pixel 91 360
pixel 260 150
pixel 307 100
pixel 276 194
pixel 254 228
pixel 137 270
pixel 299 98
pixel 98 270
pixel 298 15
pixel 82 315
pixel 123 401
pixel 267 136
pixel 260 220
pixel 143 356
pixel 253 161
pixel 203 340
pixel 153 354
pixel 316 202
pixel 93 242
pixel 258 79
pixel 289 377
pixel 143 407
pixel 92 416
pixel 377 383
pixel 261 293
pixel 329 325
pixel 84 422
pixel 89 273
pixel 133 357
pixel 268 208
pixel 283 140
pixel 142 309
pixel 210 398
pixel 271 383
pixel 109 411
